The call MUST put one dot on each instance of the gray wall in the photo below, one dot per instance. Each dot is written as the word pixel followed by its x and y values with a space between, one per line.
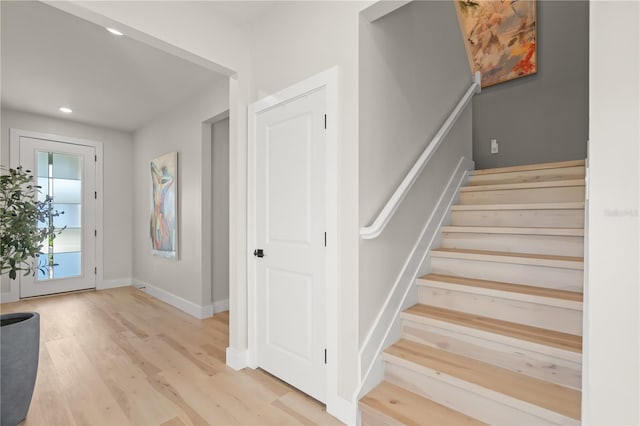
pixel 220 210
pixel 544 117
pixel 413 71
pixel 118 194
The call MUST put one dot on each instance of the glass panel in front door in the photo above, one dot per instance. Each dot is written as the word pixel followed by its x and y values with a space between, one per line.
pixel 60 177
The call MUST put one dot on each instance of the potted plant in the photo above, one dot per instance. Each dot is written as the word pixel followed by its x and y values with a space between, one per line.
pixel 21 240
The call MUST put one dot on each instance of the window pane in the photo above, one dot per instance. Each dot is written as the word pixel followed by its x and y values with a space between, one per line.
pixel 43 266
pixel 68 240
pixel 67 265
pixel 67 191
pixel 43 165
pixel 43 183
pixel 62 180
pixel 66 166
pixel 71 218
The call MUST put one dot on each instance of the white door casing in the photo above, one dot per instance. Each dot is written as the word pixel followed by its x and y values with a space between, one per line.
pixel 292 202
pixel 28 150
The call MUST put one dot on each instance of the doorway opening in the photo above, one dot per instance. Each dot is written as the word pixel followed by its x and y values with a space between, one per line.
pixel 219 205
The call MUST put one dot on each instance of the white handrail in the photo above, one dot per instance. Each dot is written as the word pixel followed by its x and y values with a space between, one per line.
pixel 378 225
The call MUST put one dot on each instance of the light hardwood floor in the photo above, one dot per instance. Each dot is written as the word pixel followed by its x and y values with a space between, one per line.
pixel 121 357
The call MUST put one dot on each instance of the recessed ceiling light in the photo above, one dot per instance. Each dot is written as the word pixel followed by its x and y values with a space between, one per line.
pixel 66 110
pixel 114 31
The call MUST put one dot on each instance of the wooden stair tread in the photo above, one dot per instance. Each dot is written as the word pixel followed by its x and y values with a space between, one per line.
pixel 571 262
pixel 543 166
pixel 570 232
pixel 412 409
pixel 575 205
pixel 523 185
pixel 550 396
pixel 501 286
pixel 529 333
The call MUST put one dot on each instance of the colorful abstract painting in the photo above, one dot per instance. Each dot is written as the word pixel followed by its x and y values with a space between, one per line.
pixel 164 208
pixel 500 38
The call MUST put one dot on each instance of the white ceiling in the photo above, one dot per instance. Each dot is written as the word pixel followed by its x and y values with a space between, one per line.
pixel 52 59
pixel 242 13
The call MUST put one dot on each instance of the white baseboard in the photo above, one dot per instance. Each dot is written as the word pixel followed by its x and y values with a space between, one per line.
pixel 343 410
pixel 119 282
pixel 383 328
pixel 221 306
pixel 9 297
pixel 184 305
pixel 237 359
pixel 207 311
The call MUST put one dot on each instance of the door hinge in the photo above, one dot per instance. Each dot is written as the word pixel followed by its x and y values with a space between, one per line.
pixel 95 270
pixel 325 356
pixel 95 158
pixel 95 195
pixel 325 121
pixel 95 232
pixel 325 239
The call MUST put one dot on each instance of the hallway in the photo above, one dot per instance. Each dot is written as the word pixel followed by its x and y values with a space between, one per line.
pixel 119 356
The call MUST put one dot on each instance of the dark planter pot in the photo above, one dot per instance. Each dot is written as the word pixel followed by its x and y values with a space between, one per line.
pixel 19 352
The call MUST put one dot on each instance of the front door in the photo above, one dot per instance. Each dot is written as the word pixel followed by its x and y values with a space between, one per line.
pixel 67 173
pixel 290 232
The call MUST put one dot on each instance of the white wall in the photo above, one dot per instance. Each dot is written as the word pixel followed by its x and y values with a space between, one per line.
pixel 118 151
pixel 181 130
pixel 220 210
pixel 611 367
pixel 409 82
pixel 300 40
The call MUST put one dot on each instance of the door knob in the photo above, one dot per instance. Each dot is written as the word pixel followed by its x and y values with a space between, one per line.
pixel 258 253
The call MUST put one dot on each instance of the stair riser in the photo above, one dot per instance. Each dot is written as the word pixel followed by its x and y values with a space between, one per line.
pixel 540 276
pixel 560 319
pixel 373 417
pixel 472 400
pixel 565 218
pixel 565 173
pixel 535 244
pixel 513 354
pixel 529 195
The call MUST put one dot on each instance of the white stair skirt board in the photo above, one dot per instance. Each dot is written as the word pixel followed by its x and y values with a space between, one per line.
pixel 379 335
pixel 184 305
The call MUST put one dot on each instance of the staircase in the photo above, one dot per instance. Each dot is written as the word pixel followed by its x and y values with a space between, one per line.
pixel 496 335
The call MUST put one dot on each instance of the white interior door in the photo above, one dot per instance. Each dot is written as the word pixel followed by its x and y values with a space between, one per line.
pixel 67 173
pixel 290 231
